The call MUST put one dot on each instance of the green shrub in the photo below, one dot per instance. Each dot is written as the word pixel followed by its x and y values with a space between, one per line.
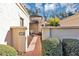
pixel 52 47
pixel 70 47
pixel 6 50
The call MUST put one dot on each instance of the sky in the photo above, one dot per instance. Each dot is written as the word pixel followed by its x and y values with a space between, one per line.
pixel 48 10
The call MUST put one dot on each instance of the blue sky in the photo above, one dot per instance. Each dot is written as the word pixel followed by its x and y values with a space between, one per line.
pixel 52 9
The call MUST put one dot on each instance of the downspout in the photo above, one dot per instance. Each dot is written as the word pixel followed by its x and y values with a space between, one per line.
pixel 50 32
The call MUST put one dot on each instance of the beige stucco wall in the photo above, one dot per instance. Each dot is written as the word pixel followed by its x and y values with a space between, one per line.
pixel 70 21
pixel 61 32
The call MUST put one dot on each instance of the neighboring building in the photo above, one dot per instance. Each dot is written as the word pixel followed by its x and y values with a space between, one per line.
pixel 12 15
pixel 70 21
pixel 36 23
pixel 68 29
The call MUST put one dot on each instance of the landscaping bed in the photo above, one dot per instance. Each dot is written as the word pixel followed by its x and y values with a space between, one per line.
pixel 54 47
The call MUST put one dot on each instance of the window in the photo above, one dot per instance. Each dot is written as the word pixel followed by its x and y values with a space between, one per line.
pixel 21 21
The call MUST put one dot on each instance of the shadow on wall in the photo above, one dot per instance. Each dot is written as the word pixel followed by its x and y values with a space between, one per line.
pixel 29 40
pixel 8 38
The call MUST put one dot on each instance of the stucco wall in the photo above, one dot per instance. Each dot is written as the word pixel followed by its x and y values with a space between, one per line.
pixel 70 21
pixel 60 32
pixel 10 15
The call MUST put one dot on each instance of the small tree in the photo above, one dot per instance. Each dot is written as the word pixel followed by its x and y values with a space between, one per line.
pixel 54 21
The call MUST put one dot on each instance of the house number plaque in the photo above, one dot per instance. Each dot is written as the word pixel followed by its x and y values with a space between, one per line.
pixel 21 33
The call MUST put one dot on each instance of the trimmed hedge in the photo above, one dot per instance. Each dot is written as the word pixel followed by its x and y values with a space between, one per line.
pixel 6 50
pixel 70 47
pixel 52 47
